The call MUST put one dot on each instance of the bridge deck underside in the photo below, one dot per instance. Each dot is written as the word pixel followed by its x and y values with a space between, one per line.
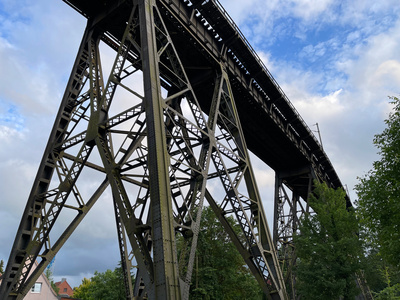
pixel 264 136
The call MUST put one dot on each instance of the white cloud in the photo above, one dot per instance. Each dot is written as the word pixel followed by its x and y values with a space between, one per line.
pixel 342 84
pixel 310 9
pixel 343 88
pixel 368 15
pixel 275 9
pixel 314 107
pixel 264 177
pixel 33 53
pixel 319 51
pixel 389 71
pixel 373 71
pixel 8 135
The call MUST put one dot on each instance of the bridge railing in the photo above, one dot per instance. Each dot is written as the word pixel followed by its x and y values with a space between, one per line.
pixel 261 63
pixel 321 160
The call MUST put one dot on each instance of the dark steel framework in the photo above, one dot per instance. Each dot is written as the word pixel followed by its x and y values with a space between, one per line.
pixel 159 133
pixel 289 208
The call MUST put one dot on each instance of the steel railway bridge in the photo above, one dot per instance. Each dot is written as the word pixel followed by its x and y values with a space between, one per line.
pixel 186 99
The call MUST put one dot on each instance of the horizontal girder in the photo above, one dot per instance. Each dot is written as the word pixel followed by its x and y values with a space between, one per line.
pixel 273 129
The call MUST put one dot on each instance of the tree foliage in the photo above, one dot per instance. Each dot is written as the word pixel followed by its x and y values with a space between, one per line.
pixel 328 247
pixel 220 271
pixel 49 274
pixel 84 291
pixel 108 285
pixel 379 190
pixel 1 266
pixel 392 290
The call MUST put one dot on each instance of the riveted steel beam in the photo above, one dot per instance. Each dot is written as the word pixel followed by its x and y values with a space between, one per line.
pixel 165 125
pixel 289 208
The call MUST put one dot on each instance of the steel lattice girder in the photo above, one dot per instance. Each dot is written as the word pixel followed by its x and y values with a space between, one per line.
pixel 289 208
pixel 156 153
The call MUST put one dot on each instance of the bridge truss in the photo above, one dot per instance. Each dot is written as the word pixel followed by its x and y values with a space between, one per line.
pixel 185 100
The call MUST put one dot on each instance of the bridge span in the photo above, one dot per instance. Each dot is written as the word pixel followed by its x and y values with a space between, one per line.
pixel 203 33
pixel 207 99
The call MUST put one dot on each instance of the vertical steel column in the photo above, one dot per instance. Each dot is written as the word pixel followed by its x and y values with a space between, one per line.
pixel 126 264
pixel 44 205
pixel 158 173
pixel 166 276
pixel 288 209
pixel 242 200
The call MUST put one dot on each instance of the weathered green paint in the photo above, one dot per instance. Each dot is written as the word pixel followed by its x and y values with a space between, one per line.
pixel 166 276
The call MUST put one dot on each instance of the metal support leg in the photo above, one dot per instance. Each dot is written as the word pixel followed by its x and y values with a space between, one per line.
pixel 289 208
pixel 53 184
pixel 156 155
pixel 166 278
pixel 242 200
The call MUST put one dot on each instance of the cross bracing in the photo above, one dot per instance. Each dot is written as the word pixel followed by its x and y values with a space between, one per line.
pixel 205 99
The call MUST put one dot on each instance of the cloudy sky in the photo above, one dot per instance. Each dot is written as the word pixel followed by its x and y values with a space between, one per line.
pixel 336 60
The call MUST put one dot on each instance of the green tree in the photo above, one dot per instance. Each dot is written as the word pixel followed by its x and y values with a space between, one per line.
pixel 328 247
pixel 391 291
pixel 108 285
pixel 219 270
pixel 84 291
pixel 49 274
pixel 1 266
pixel 379 191
pixel 372 264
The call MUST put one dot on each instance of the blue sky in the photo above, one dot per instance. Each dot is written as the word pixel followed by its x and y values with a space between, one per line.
pixel 336 60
